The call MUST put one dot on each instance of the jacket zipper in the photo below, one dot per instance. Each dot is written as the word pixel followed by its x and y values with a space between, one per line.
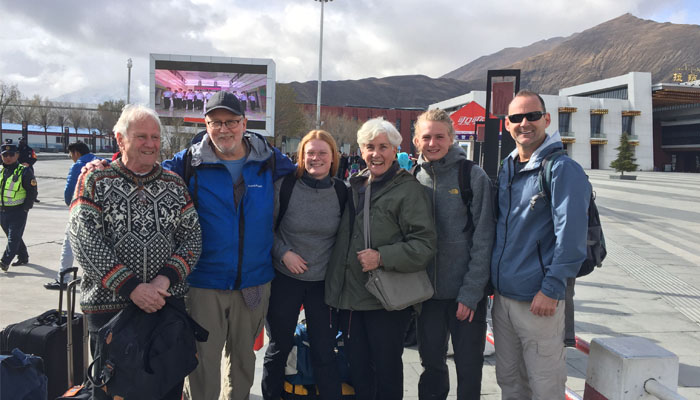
pixel 539 256
pixel 435 274
pixel 505 236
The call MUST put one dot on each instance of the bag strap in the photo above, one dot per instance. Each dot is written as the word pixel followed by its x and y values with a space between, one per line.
pixel 365 216
pixel 465 189
pixel 544 179
pixel 286 189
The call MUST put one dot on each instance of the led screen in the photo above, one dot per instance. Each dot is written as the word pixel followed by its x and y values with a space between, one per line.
pixel 181 89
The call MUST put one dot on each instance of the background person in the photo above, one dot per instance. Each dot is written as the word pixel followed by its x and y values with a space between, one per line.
pixel 402 239
pixel 304 241
pixel 133 228
pixel 80 154
pixel 17 195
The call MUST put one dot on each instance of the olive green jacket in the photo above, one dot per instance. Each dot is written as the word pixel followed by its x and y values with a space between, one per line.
pixel 402 230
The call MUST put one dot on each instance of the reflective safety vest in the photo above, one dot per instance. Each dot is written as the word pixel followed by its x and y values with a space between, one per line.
pixel 13 193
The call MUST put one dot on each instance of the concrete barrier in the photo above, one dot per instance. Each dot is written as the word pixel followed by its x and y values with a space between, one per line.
pixel 619 367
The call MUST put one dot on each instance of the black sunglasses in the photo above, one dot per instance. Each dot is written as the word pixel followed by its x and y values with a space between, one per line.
pixel 531 116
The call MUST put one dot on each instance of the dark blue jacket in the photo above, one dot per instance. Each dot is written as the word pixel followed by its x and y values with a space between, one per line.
pixel 73 175
pixel 538 247
pixel 236 235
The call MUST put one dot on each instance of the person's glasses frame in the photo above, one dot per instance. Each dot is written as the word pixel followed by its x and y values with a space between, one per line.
pixel 230 124
pixel 531 116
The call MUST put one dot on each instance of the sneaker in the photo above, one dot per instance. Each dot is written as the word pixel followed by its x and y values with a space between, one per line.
pixel 4 266
pixel 37 201
pixel 55 285
pixel 20 262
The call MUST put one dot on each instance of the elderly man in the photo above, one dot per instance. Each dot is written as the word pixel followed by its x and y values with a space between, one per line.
pixel 462 206
pixel 133 228
pixel 17 195
pixel 539 245
pixel 230 174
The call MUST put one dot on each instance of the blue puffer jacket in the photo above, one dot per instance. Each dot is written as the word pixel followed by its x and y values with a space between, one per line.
pixel 538 248
pixel 236 238
pixel 73 175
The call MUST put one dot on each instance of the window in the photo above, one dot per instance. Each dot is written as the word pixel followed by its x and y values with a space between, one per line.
pixel 564 123
pixel 596 120
pixel 627 124
pixel 59 139
pixel 398 124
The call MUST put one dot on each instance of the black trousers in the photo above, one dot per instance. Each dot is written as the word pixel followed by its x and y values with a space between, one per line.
pixel 13 220
pixel 437 319
pixel 286 298
pixel 374 346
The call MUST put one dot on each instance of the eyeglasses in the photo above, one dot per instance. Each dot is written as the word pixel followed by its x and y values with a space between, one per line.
pixel 230 124
pixel 531 116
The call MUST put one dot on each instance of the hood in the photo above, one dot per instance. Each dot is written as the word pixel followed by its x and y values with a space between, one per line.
pixel 550 144
pixel 454 155
pixel 258 149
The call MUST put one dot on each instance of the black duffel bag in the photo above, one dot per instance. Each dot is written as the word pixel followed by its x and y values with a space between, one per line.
pixel 143 355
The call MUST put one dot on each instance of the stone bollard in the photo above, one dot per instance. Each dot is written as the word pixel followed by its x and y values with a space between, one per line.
pixel 618 368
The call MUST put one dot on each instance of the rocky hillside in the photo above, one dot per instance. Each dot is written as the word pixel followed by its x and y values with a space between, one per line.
pixel 613 48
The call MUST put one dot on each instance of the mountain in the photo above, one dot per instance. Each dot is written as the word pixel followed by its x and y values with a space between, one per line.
pixel 476 70
pixel 613 48
pixel 409 91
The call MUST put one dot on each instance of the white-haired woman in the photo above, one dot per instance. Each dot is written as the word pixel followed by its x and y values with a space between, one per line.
pixel 402 239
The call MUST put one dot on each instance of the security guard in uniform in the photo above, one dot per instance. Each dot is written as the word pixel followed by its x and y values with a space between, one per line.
pixel 17 195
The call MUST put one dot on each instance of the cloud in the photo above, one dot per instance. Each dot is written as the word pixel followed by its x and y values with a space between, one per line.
pixel 73 46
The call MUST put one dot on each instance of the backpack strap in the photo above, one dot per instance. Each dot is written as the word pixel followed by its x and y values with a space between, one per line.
pixel 544 179
pixel 342 192
pixel 286 189
pixel 188 172
pixel 465 189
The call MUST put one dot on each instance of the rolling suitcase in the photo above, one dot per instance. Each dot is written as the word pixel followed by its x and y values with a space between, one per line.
pixel 77 390
pixel 46 336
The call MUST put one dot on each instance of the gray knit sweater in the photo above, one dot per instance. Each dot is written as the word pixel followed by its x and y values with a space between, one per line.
pixel 308 227
pixel 460 269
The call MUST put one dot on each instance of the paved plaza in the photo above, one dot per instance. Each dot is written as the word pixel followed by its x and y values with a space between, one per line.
pixel 649 285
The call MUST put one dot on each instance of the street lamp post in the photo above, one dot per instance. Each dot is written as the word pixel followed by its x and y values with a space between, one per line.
pixel 129 64
pixel 320 64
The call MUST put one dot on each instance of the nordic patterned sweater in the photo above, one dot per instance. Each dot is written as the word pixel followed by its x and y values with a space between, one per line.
pixel 125 229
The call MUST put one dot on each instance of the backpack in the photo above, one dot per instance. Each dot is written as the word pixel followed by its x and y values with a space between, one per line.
pixel 465 187
pixel 595 240
pixel 143 355
pixel 287 187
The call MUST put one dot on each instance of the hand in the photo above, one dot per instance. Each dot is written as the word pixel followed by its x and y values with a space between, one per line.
pixel 369 259
pixel 294 263
pixel 149 297
pixel 94 165
pixel 464 313
pixel 161 282
pixel 25 164
pixel 542 305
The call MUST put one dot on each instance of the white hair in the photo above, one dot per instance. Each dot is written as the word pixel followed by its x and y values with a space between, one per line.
pixel 376 126
pixel 132 113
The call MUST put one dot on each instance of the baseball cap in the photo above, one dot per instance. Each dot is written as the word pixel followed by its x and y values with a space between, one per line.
pixel 225 100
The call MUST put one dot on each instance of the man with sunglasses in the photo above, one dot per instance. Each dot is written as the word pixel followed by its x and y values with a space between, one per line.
pixel 539 245
pixel 230 175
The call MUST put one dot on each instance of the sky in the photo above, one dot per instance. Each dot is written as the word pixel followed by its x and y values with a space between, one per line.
pixel 77 50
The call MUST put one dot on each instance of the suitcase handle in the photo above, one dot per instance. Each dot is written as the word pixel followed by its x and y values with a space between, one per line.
pixel 62 274
pixel 70 306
